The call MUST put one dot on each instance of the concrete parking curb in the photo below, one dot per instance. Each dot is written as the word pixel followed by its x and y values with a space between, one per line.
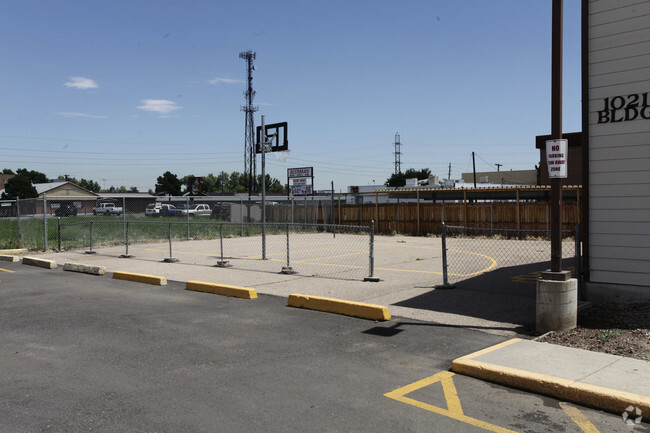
pixel 84 269
pixel 9 258
pixel 140 278
pixel 41 263
pixel 221 289
pixel 17 251
pixel 339 306
pixel 600 397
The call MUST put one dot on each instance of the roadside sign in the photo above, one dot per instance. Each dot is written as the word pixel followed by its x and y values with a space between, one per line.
pixel 556 158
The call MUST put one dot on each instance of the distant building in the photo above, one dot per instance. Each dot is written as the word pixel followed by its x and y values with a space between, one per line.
pixel 505 178
pixel 3 180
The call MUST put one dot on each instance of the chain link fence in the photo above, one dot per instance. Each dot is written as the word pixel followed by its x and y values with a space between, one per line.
pixel 501 260
pixel 323 250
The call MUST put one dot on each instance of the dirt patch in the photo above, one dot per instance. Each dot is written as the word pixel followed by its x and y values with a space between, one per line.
pixel 613 328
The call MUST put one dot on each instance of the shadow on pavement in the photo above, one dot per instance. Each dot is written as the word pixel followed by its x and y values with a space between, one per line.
pixel 506 295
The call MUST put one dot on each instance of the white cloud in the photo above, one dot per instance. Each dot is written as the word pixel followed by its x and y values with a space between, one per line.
pixel 81 83
pixel 162 106
pixel 90 116
pixel 224 80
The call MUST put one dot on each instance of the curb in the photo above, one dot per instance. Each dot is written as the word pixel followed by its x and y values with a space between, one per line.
pixel 339 306
pixel 221 289
pixel 599 397
pixel 41 263
pixel 84 269
pixel 9 258
pixel 140 278
pixel 17 251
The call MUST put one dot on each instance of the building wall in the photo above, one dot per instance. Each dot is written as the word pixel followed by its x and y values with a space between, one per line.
pixel 511 177
pixel 618 80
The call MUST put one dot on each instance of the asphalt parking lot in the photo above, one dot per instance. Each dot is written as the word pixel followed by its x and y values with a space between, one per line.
pixel 88 353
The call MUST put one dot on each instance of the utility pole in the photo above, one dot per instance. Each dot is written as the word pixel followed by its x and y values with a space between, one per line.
pixel 499 167
pixel 556 133
pixel 474 168
pixel 449 174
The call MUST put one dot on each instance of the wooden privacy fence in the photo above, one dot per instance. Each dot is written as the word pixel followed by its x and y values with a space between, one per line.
pixel 426 218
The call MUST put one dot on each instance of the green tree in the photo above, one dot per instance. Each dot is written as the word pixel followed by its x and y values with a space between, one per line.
pixel 134 189
pixel 399 179
pixel 19 186
pixel 7 171
pixel 90 185
pixel 33 176
pixel 272 184
pixel 169 183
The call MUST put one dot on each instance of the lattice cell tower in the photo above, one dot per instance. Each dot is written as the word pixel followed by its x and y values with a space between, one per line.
pixel 398 153
pixel 249 128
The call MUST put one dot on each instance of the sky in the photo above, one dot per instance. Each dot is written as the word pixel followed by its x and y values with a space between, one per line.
pixel 122 91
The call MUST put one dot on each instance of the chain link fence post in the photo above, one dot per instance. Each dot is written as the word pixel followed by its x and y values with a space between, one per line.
pixel 171 258
pixel 445 277
pixel 90 243
pixel 45 222
pixel 372 277
pixel 58 236
pixel 20 234
pixel 221 263
pixel 288 269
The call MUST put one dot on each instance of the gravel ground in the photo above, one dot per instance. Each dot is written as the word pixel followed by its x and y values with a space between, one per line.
pixel 614 328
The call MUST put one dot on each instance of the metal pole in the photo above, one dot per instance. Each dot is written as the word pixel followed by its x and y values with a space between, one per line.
pixel 445 275
pixel 20 234
pixel 45 222
pixel 263 140
pixel 92 229
pixel 556 133
pixel 221 240
pixel 58 223
pixel 171 258
pixel 288 269
pixel 372 277
pixel 126 239
pixel 187 206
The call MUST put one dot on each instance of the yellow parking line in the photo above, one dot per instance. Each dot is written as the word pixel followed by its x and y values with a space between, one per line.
pixel 578 418
pixel 6 270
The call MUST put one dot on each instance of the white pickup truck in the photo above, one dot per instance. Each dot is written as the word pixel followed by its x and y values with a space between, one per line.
pixel 197 210
pixel 107 209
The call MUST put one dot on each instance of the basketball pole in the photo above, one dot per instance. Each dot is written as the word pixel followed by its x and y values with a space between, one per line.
pixel 263 143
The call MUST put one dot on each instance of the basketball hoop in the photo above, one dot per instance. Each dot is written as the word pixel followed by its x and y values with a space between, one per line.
pixel 282 156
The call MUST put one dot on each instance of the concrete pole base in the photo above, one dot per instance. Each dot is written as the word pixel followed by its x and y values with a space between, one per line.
pixel 557 305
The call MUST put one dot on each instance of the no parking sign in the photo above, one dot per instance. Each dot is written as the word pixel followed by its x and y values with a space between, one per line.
pixel 556 158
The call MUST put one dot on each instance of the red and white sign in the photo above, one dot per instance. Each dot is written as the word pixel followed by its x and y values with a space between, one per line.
pixel 299 181
pixel 300 172
pixel 301 189
pixel 557 154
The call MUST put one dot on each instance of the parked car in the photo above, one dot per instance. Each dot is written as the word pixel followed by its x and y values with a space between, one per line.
pixel 107 209
pixel 221 211
pixel 167 210
pixel 65 210
pixel 197 210
pixel 152 210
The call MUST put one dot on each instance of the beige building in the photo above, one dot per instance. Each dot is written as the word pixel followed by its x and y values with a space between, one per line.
pixel 61 192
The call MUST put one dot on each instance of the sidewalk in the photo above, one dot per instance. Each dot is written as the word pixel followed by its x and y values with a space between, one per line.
pixel 607 382
pixel 603 381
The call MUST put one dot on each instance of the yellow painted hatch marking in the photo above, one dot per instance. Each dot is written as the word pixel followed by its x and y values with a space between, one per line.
pixel 454 409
